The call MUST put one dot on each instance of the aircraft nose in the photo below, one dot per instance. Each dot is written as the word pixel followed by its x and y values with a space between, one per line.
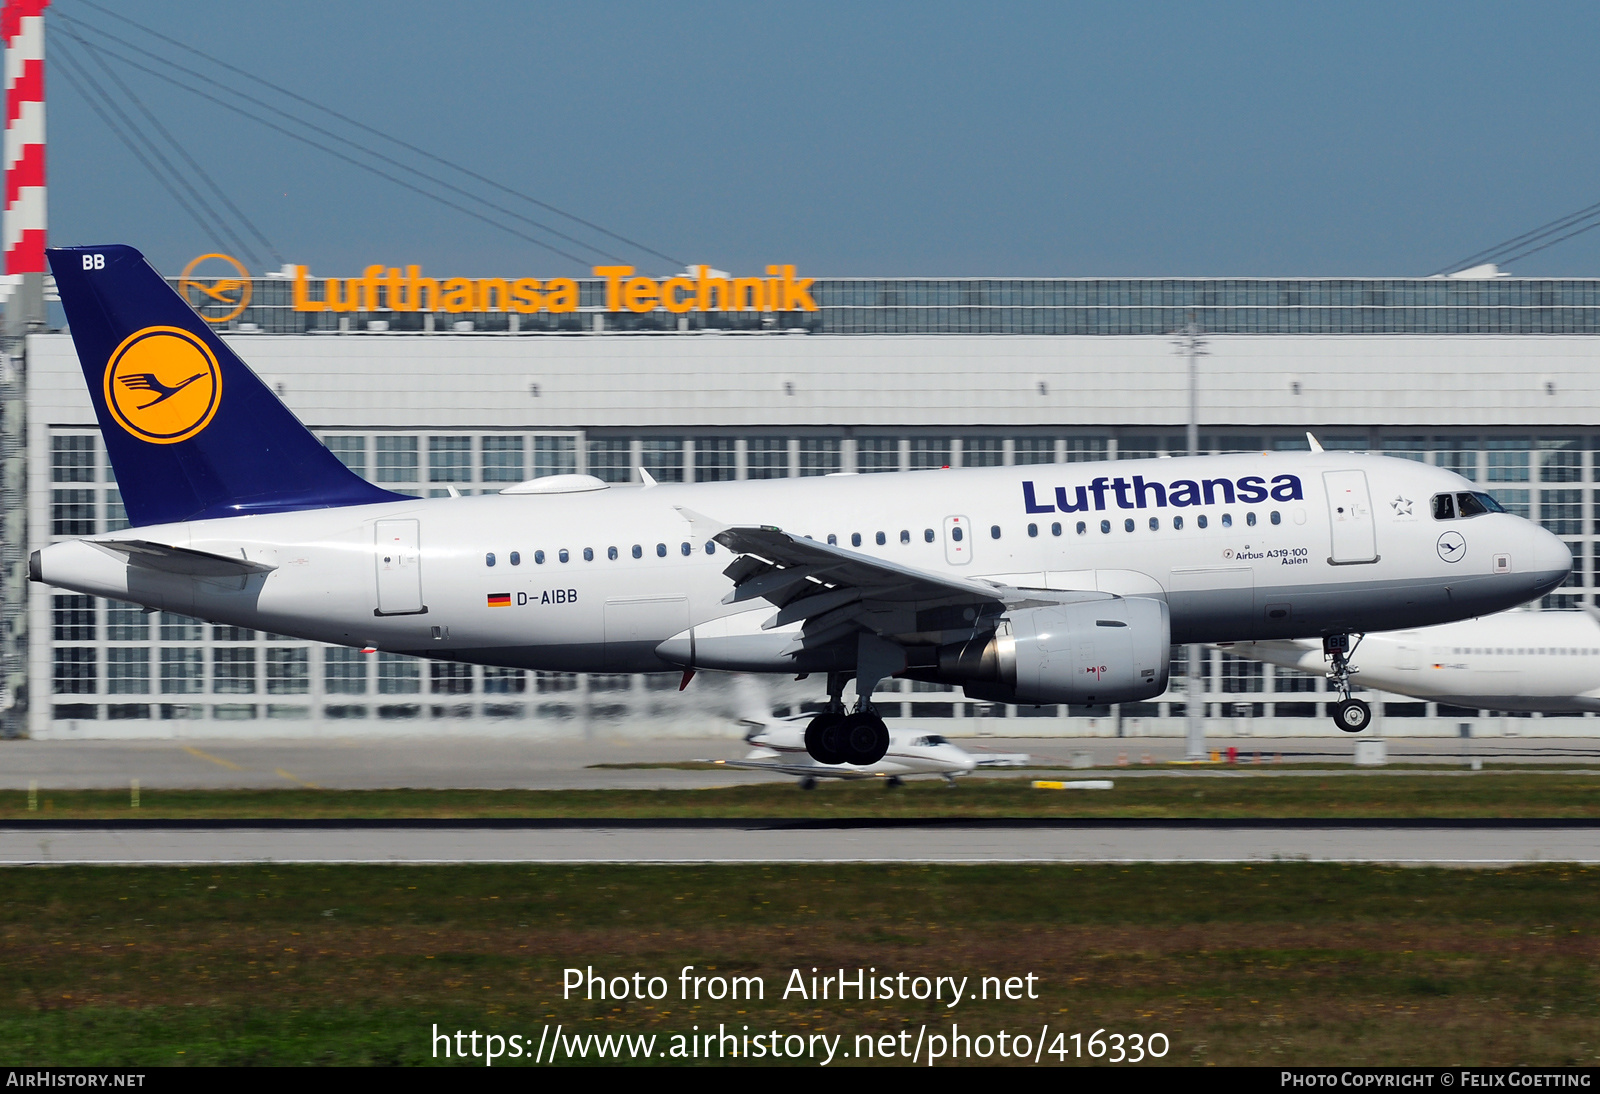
pixel 1552 558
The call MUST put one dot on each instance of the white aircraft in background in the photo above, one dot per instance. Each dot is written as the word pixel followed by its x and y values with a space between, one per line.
pixel 1041 584
pixel 780 745
pixel 1515 661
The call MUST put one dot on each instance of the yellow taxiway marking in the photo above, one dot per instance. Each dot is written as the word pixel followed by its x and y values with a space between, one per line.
pixel 218 760
pixel 282 774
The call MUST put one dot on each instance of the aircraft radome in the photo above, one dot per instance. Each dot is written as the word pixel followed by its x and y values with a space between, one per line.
pixel 1063 583
pixel 1516 661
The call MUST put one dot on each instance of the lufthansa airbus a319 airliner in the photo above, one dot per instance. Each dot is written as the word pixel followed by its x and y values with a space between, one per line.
pixel 1062 583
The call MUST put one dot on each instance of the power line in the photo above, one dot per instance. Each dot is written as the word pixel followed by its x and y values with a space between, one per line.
pixel 332 136
pixel 69 64
pixel 348 159
pixel 380 133
pixel 200 171
pixel 1559 224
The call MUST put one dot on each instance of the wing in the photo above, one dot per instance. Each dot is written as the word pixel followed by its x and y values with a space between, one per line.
pixel 838 593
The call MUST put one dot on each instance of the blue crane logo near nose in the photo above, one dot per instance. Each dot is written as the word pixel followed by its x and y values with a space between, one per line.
pixel 1452 547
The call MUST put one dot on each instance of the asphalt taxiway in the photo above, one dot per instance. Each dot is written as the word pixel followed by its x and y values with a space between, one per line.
pixel 1458 844
pixel 628 762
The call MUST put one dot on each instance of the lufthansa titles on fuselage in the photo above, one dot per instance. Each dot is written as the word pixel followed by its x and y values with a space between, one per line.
pixel 1142 493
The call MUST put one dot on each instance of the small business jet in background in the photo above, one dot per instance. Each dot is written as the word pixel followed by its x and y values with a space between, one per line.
pixel 779 745
pixel 1043 584
pixel 1516 661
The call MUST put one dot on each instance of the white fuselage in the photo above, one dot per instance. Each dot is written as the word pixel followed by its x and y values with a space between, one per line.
pixel 602 577
pixel 1515 661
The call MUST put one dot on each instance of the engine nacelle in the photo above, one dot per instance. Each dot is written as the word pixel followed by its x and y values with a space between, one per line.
pixel 1107 651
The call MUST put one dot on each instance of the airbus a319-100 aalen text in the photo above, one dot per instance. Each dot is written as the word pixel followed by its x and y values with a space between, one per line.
pixel 1041 584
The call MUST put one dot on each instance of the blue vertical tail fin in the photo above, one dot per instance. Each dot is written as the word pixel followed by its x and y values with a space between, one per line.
pixel 191 431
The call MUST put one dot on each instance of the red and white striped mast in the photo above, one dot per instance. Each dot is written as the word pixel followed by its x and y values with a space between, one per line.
pixel 22 35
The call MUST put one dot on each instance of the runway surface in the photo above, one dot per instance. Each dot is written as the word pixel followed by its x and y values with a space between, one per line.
pixel 1433 844
pixel 498 763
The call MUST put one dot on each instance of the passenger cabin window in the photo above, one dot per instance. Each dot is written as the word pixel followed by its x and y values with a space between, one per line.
pixel 711 547
pixel 1201 520
pixel 1033 531
pixel 1155 524
pixel 538 558
pixel 516 558
pixel 1105 527
pixel 1055 529
pixel 1177 524
pixel 881 539
pixel 661 550
pixel 1250 518
pixel 611 554
pixel 1227 520
pixel 833 540
pixel 927 535
pixel 957 534
pixel 488 559
pixel 994 531
pixel 588 554
pixel 685 549
pixel 855 539
pixel 1127 525
pixel 1082 527
pixel 563 556
pixel 905 535
pixel 1277 518
pixel 638 551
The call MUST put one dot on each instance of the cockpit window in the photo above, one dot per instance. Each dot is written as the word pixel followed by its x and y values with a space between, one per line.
pixel 1474 504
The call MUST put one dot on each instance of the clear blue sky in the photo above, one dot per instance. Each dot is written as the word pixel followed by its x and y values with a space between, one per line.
pixel 927 138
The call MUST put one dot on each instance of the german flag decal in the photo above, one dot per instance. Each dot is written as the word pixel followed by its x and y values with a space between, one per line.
pixel 499 600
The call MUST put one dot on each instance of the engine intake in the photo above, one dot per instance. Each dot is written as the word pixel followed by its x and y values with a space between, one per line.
pixel 1108 651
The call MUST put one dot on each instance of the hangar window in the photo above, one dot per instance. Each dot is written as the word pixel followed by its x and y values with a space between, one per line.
pixel 1033 531
pixel 1250 518
pixel 516 558
pixel 1177 524
pixel 588 554
pixel 685 549
pixel 563 555
pixel 882 539
pixel 1227 520
pixel 1082 527
pixel 611 554
pixel 1277 517
pixel 1127 525
pixel 1105 527
pixel 538 558
pixel 994 531
pixel 905 535
pixel 855 539
pixel 638 551
pixel 661 550
pixel 1055 529
pixel 927 535
pixel 488 559
pixel 1155 524
pixel 1201 520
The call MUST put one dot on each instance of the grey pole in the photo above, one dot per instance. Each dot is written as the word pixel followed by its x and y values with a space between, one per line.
pixel 1192 346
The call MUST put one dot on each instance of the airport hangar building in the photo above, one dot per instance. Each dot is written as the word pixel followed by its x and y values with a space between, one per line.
pixel 1496 378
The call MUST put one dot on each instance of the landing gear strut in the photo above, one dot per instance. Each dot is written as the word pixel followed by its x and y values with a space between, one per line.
pixel 1350 715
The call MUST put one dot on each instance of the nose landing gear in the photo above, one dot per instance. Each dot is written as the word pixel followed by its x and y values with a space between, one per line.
pixel 1350 715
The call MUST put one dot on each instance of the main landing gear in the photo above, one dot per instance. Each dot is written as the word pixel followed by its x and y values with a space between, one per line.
pixel 834 736
pixel 1350 715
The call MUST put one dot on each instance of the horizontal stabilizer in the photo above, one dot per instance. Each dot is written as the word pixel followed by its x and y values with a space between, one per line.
pixel 181 560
